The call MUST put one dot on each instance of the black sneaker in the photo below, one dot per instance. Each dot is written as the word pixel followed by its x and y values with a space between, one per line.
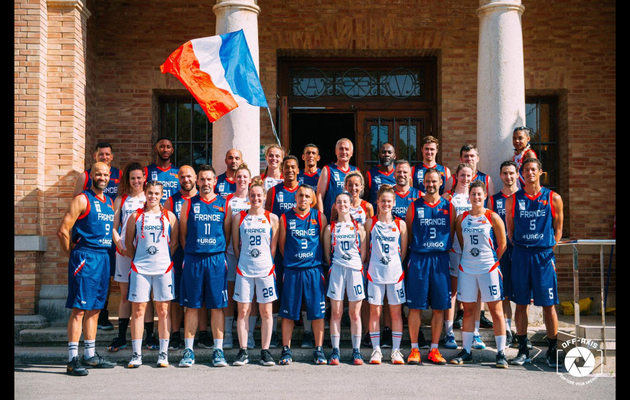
pixel 117 344
pixel 152 343
pixel 274 340
pixel 266 358
pixel 366 341
pixel 241 358
pixel 463 357
pixel 501 361
pixel 386 337
pixel 484 322
pixel 459 319
pixel 552 357
pixel 175 342
pixel 75 368
pixel 103 321
pixel 521 358
pixel 509 338
pixel 97 362
pixel 205 340
pixel 422 342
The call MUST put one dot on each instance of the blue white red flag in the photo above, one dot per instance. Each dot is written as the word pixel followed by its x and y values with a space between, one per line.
pixel 219 72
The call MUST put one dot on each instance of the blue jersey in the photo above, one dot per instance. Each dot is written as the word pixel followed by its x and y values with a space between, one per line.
pixel 533 219
pixel 176 202
pixel 168 177
pixel 93 229
pixel 224 185
pixel 312 180
pixel 302 246
pixel 205 232
pixel 334 186
pixel 375 178
pixel 431 226
pixel 417 176
pixel 282 198
pixel 497 203
pixel 112 187
pixel 403 200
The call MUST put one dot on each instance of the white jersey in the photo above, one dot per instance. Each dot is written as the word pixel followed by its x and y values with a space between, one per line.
pixel 237 204
pixel 478 255
pixel 385 265
pixel 359 213
pixel 153 239
pixel 128 206
pixel 346 244
pixel 461 204
pixel 255 259
pixel 269 182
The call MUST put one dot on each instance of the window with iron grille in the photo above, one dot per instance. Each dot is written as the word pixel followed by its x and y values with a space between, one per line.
pixel 542 118
pixel 183 121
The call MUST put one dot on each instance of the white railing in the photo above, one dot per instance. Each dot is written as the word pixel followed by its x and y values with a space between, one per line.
pixel 576 289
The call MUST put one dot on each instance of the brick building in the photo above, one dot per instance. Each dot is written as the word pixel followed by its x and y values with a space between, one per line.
pixel 372 70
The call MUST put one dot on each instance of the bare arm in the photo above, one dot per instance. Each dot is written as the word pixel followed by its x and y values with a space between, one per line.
pixel 364 247
pixel 77 206
pixel 509 219
pixel 227 225
pixel 403 241
pixel 282 233
pixel 130 235
pixel 322 186
pixel 558 220
pixel 79 184
pixel 236 237
pixel 275 224
pixel 174 231
pixel 183 223
pixel 115 236
pixel 499 232
pixel 326 244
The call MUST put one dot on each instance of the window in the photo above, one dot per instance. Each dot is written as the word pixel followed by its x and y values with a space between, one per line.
pixel 542 117
pixel 184 122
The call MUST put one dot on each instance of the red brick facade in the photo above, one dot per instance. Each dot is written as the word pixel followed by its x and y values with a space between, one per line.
pixel 86 74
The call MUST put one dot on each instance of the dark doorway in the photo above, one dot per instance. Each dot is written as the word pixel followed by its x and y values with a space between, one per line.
pixel 323 129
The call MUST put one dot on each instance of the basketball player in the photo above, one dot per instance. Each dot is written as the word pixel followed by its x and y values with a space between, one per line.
pixel 300 243
pixel 534 218
pixel 478 230
pixel 226 183
pixel 310 174
pixel 255 236
pixel 203 233
pixel 187 178
pixel 162 170
pixel 521 138
pixel 332 178
pixel 381 173
pixel 430 148
pixel 85 235
pixel 150 241
pixel 387 236
pixel 131 198
pixel 431 221
pixel 345 252
pixel 274 154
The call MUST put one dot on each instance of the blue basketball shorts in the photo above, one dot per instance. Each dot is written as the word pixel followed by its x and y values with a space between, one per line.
pixel 307 284
pixel 204 281
pixel 534 276
pixel 428 281
pixel 88 279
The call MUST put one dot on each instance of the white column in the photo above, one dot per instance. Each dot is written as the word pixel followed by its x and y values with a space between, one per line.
pixel 501 82
pixel 240 128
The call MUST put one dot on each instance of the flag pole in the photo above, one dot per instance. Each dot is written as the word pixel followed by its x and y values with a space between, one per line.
pixel 273 127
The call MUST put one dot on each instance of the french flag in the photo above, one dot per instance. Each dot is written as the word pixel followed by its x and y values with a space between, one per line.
pixel 219 72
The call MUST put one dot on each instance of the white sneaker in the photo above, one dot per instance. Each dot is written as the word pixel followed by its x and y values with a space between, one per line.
pixel 377 356
pixel 135 362
pixel 228 341
pixel 162 361
pixel 397 357
pixel 251 343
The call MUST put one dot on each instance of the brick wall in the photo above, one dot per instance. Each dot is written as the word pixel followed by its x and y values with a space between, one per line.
pixel 572 56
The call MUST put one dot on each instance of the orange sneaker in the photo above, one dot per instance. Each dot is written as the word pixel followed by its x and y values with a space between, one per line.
pixel 414 357
pixel 435 357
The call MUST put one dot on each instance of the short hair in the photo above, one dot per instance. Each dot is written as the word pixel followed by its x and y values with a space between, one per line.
pixel 430 139
pixel 103 145
pixel 163 138
pixel 468 147
pixel 478 183
pixel 343 140
pixel 401 161
pixel 290 157
pixel 206 167
pixel 508 163
pixel 311 145
pixel 432 171
pixel 532 160
pixel 306 186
